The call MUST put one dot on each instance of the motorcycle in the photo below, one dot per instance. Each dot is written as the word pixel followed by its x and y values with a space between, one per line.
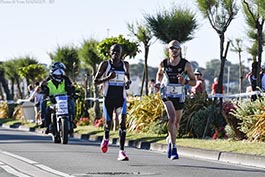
pixel 60 118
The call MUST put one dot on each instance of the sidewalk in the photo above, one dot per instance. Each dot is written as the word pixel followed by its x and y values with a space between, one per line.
pixel 235 158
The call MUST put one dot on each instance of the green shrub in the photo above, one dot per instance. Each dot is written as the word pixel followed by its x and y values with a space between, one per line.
pixel 191 106
pixel 206 121
pixel 199 121
pixel 230 132
pixel 159 127
pixel 252 117
pixel 80 105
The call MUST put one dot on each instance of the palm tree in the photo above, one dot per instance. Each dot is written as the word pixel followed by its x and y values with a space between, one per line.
pixel 220 14
pixel 144 35
pixel 69 56
pixel 253 49
pixel 11 73
pixel 129 49
pixel 4 83
pixel 33 72
pixel 176 24
pixel 25 62
pixel 237 47
pixel 255 16
pixel 89 56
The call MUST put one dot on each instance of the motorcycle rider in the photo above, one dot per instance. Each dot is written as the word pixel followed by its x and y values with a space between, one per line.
pixel 57 83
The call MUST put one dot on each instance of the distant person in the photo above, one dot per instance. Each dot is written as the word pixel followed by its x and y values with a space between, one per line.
pixel 199 88
pixel 248 89
pixel 30 90
pixel 252 78
pixel 262 78
pixel 151 87
pixel 37 97
pixel 215 85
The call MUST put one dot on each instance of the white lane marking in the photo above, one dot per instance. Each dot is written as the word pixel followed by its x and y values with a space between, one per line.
pixel 13 171
pixel 19 157
pixel 41 167
pixel 53 171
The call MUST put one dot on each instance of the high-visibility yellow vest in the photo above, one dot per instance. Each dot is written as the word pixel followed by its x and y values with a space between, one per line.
pixel 53 90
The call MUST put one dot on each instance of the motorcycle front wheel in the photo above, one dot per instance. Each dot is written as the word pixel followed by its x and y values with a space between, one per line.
pixel 64 131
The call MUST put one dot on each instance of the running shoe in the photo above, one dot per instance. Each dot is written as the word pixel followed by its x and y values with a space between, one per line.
pixel 122 156
pixel 104 145
pixel 168 147
pixel 174 154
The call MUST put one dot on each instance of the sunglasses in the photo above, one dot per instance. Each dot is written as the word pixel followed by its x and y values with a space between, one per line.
pixel 174 47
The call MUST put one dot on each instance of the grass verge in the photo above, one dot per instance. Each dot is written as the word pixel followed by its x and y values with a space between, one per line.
pixel 229 145
pixel 245 147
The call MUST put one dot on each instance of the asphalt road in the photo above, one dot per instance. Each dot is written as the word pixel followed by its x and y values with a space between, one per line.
pixel 30 154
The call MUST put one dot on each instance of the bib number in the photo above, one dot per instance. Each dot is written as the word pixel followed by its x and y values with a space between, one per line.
pixel 61 105
pixel 174 90
pixel 119 80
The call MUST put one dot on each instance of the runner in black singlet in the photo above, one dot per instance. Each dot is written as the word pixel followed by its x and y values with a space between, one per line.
pixel 173 73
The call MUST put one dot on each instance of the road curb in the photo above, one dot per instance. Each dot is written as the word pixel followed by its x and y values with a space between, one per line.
pixel 244 159
pixel 188 152
pixel 228 157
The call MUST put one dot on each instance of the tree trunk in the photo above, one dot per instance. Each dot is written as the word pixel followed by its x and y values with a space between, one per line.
pixel 1 93
pixel 18 88
pixel 146 68
pixel 240 74
pixel 221 74
pixel 6 89
pixel 142 85
pixel 223 58
pixel 260 38
pixel 86 82
pixel 12 88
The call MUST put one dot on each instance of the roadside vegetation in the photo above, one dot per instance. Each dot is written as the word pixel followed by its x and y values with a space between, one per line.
pixel 241 129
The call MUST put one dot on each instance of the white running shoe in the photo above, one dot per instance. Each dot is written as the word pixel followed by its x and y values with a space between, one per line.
pixel 122 156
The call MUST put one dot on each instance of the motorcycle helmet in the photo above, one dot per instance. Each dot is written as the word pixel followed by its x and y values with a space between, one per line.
pixel 57 74
pixel 59 65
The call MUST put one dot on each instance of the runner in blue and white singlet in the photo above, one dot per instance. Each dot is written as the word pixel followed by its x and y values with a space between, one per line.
pixel 114 91
pixel 115 77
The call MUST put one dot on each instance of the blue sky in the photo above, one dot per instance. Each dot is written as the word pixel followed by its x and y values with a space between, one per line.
pixel 36 27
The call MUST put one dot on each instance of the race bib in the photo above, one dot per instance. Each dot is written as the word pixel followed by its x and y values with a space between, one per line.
pixel 174 90
pixel 119 80
pixel 61 104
